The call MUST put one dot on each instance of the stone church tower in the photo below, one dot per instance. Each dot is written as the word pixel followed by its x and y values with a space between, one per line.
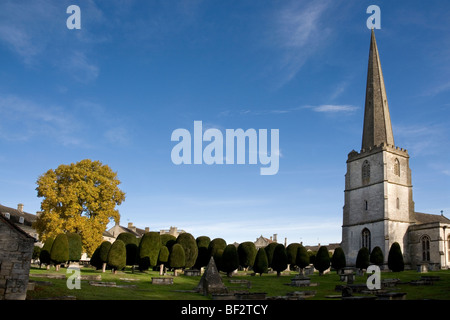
pixel 379 207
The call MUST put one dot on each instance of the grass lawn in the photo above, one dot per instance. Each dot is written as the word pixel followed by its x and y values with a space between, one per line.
pixel 142 288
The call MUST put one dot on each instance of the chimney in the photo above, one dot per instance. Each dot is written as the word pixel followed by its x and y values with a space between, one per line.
pixel 38 213
pixel 131 227
pixel 274 237
pixel 20 207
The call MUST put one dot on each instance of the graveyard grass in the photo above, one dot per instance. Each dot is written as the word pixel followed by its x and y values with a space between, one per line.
pixel 138 286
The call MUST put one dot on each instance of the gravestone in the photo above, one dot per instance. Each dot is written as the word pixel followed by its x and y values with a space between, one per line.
pixel 211 281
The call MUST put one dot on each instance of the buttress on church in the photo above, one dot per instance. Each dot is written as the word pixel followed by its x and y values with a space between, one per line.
pixel 379 206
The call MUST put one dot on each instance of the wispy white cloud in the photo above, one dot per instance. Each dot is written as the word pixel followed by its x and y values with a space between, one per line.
pixel 298 32
pixel 325 109
pixel 23 120
pixel 36 32
pixel 422 139
pixel 332 108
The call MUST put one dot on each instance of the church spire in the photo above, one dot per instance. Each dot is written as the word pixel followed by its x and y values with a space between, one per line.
pixel 377 121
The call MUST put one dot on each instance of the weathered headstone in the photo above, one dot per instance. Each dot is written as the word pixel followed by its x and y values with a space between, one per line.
pixel 211 281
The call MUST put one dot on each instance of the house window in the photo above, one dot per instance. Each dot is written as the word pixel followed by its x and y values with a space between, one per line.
pixel 425 240
pixel 397 167
pixel 365 235
pixel 366 172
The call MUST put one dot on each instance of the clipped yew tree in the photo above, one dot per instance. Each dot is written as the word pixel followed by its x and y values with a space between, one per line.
pixel 168 240
pixel 230 260
pixel 60 250
pixel 203 254
pixel 270 248
pixel 187 241
pixel 163 259
pixel 261 264
pixel 95 259
pixel 44 255
pixel 117 256
pixel 177 257
pixel 376 256
pixel 247 254
pixel 395 258
pixel 302 258
pixel 338 259
pixel 103 254
pixel 291 251
pixel 131 246
pixel 218 258
pixel 322 260
pixel 363 258
pixel 215 245
pixel 149 247
pixel 75 246
pixel 280 259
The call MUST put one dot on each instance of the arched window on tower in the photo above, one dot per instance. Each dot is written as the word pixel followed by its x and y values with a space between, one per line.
pixel 365 172
pixel 397 167
pixel 366 205
pixel 397 203
pixel 425 240
pixel 365 236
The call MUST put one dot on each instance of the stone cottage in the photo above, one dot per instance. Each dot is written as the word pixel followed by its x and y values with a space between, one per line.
pixel 16 249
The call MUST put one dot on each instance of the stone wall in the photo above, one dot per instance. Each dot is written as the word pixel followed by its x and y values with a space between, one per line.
pixel 16 249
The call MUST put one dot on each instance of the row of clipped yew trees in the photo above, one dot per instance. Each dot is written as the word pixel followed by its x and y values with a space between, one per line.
pixel 166 251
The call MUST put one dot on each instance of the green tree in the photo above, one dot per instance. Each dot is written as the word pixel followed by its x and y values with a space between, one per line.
pixel 75 246
pixel 261 264
pixel 163 258
pixel 149 247
pixel 270 248
pixel 322 260
pixel 79 198
pixel 203 254
pixel 44 256
pixel 131 246
pixel 95 259
pixel 218 258
pixel 363 258
pixel 302 258
pixel 60 250
pixel 103 254
pixel 117 256
pixel 36 252
pixel 168 240
pixel 189 245
pixel 177 257
pixel 291 251
pixel 280 259
pixel 395 258
pixel 214 245
pixel 247 254
pixel 338 259
pixel 230 260
pixel 376 256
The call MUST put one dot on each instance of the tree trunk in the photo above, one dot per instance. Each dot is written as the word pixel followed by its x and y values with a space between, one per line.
pixel 104 267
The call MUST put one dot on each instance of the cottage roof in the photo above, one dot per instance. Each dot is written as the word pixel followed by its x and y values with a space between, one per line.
pixel 14 227
pixel 15 215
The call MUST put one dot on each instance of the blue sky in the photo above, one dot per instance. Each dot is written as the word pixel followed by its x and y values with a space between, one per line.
pixel 116 89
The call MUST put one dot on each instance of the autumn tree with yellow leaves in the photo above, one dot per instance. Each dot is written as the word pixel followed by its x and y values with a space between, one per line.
pixel 78 198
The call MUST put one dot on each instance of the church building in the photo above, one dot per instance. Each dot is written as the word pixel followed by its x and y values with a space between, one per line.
pixel 379 206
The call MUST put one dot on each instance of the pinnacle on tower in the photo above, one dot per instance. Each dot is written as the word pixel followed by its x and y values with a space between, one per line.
pixel 377 121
